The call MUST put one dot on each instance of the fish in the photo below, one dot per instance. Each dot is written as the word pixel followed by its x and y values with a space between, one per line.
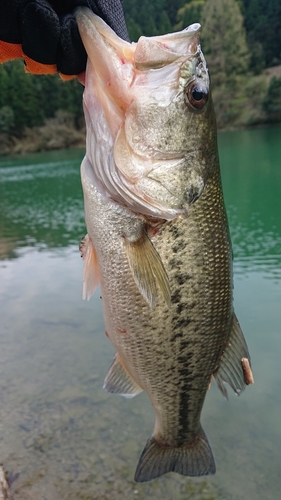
pixel 157 240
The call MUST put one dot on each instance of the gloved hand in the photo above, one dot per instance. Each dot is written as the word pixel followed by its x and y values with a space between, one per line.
pixel 45 34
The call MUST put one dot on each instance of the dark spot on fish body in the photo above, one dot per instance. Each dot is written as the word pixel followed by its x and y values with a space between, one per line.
pixel 181 278
pixel 180 307
pixel 153 328
pixel 176 335
pixel 191 195
pixel 179 245
pixel 176 297
pixel 189 343
pixel 175 231
pixel 183 322
pixel 185 412
pixel 191 393
pixel 192 305
pixel 190 352
pixel 175 263
pixel 146 326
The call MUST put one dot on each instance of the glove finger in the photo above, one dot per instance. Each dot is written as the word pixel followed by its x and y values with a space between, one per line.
pixel 40 28
pixel 9 22
pixel 10 43
pixel 72 57
pixel 111 12
pixel 51 43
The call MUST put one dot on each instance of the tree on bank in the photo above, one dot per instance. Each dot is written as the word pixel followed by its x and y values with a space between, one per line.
pixel 224 40
pixel 263 25
pixel 272 101
pixel 150 18
pixel 27 100
pixel 190 13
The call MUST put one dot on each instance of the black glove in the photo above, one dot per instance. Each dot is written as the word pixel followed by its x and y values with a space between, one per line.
pixel 45 34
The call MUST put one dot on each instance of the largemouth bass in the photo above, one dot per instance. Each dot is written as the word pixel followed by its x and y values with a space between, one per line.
pixel 158 240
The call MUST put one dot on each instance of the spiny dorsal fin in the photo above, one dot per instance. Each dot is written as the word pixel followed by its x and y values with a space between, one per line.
pixel 148 270
pixel 235 367
pixel 91 277
pixel 119 381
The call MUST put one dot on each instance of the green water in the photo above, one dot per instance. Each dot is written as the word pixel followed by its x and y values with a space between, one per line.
pixel 58 428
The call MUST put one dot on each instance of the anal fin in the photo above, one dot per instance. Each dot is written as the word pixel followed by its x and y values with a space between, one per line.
pixel 235 365
pixel 119 381
pixel 147 269
pixel 91 277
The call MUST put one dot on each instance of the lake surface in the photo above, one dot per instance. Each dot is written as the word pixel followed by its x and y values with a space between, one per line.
pixel 66 437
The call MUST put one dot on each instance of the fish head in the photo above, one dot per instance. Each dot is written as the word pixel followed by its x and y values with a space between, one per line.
pixel 151 133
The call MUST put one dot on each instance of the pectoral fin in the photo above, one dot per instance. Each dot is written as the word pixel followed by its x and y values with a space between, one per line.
pixel 148 270
pixel 234 367
pixel 91 277
pixel 119 381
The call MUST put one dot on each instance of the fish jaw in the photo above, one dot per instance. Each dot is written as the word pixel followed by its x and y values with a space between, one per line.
pixel 110 56
pixel 138 93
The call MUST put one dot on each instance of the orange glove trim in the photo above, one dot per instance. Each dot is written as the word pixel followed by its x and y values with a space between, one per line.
pixel 9 51
pixel 38 68
pixel 66 78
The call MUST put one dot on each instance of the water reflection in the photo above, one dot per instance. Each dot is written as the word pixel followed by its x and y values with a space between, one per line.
pixel 40 202
pixel 41 199
pixel 252 178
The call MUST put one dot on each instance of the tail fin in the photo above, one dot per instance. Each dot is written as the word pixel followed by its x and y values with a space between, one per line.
pixel 191 459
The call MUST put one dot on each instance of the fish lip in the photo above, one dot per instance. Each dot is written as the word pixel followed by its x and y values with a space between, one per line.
pixel 166 55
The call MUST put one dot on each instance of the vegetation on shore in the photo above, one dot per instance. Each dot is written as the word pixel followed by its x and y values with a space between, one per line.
pixel 241 40
pixel 38 112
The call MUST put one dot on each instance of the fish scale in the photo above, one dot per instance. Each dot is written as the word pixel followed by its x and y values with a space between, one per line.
pixel 158 239
pixel 190 338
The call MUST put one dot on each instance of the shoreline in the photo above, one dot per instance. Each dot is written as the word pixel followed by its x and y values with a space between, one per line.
pixel 238 106
pixel 34 140
pixel 56 133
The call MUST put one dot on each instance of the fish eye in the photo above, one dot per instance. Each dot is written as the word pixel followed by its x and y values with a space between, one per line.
pixel 197 95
